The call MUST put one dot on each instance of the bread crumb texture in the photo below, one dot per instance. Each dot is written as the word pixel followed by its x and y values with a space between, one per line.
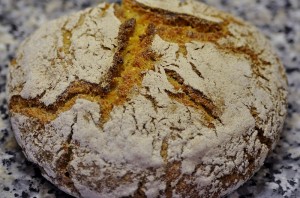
pixel 149 98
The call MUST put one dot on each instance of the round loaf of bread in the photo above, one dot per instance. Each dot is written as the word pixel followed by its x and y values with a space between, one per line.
pixel 150 98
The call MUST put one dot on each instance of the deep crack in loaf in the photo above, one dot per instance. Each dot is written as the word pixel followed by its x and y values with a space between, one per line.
pixel 147 99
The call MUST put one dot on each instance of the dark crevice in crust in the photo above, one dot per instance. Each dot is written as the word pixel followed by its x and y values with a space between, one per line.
pixel 148 36
pixel 195 96
pixel 125 32
pixel 260 132
pixel 153 101
pixel 75 88
pixel 263 139
pixel 18 104
pixel 64 177
pixel 196 70
pixel 179 19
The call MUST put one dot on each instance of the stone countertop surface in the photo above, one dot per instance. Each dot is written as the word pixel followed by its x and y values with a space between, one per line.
pixel 278 20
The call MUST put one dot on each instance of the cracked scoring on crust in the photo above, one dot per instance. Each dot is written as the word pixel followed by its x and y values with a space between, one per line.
pixel 152 144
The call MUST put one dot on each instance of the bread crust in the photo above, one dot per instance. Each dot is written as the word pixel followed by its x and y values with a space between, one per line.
pixel 147 100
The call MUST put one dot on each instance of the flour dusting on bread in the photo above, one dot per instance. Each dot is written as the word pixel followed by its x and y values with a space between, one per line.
pixel 148 98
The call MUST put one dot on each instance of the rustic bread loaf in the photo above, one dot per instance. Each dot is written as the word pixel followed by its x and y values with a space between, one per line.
pixel 151 98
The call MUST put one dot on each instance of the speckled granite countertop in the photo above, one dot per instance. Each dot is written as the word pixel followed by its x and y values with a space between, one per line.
pixel 278 20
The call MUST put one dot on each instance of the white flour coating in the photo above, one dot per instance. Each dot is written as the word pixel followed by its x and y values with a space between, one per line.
pixel 47 70
pixel 190 7
pixel 129 144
